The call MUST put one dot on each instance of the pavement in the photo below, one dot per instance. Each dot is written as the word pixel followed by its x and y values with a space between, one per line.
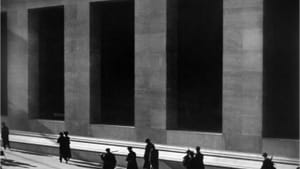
pixel 14 159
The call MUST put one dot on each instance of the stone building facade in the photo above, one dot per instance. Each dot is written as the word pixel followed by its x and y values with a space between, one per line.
pixel 244 122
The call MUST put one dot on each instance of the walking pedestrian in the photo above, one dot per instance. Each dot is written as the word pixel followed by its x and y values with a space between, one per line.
pixel 62 142
pixel 267 163
pixel 67 145
pixel 147 155
pixel 199 164
pixel 193 161
pixel 154 158
pixel 187 160
pixel 131 159
pixel 5 136
pixel 109 160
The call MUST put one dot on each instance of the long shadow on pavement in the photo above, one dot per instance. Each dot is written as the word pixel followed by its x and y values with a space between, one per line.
pixel 12 163
pixel 29 152
pixel 84 164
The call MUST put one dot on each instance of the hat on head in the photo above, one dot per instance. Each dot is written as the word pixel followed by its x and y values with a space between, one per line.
pixel 265 154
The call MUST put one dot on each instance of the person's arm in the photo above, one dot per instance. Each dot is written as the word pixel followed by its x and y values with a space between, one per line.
pixel 102 156
pixel 127 158
pixel 146 153
pixel 184 161
pixel 114 161
pixel 263 165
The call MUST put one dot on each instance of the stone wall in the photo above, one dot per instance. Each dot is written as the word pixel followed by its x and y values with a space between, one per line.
pixel 242 77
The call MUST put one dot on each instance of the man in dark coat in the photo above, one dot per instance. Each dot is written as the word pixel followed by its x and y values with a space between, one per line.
pixel 147 155
pixel 199 159
pixel 67 146
pixel 154 159
pixel 131 159
pixel 109 160
pixel 193 164
pixel 62 142
pixel 5 136
pixel 187 160
pixel 267 163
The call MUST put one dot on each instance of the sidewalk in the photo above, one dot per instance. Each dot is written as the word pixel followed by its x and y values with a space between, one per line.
pixel 14 159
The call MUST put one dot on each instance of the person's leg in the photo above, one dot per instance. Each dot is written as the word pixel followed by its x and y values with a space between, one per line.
pixel 66 159
pixel 4 143
pixel 60 154
pixel 8 145
pixel 65 156
pixel 146 165
pixel 69 154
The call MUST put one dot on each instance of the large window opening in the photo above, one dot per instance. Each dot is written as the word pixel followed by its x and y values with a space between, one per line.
pixel 195 64
pixel 281 69
pixel 46 50
pixel 3 63
pixel 112 62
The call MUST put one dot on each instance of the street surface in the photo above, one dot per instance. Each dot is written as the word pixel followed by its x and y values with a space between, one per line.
pixel 14 159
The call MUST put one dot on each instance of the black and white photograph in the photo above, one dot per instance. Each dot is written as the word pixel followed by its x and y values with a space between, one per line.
pixel 149 84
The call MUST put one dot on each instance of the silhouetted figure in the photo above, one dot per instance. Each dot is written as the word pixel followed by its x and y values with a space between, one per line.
pixel 5 136
pixel 131 159
pixel 154 159
pixel 109 160
pixel 187 160
pixel 198 159
pixel 147 154
pixel 267 163
pixel 62 147
pixel 67 144
pixel 193 162
pixel 2 153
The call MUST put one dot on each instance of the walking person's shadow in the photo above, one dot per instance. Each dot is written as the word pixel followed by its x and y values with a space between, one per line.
pixel 84 164
pixel 13 163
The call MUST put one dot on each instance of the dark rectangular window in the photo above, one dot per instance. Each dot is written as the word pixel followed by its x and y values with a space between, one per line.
pixel 195 64
pixel 46 50
pixel 3 63
pixel 112 62
pixel 281 69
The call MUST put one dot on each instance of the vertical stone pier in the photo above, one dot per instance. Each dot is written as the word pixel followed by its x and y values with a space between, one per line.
pixel 17 68
pixel 77 67
pixel 242 75
pixel 150 69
